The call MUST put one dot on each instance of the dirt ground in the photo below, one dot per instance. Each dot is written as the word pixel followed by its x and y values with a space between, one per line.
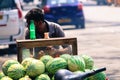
pixel 103 44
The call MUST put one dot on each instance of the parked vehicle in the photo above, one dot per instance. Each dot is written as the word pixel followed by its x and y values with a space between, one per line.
pixel 82 1
pixel 64 12
pixel 28 1
pixel 102 2
pixel 11 22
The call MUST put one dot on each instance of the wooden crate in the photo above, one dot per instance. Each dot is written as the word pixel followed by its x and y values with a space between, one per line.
pixel 45 42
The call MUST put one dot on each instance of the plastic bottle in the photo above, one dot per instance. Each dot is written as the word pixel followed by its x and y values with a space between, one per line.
pixel 32 30
pixel 32 34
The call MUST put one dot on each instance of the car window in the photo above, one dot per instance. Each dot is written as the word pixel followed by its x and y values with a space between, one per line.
pixel 55 2
pixel 7 4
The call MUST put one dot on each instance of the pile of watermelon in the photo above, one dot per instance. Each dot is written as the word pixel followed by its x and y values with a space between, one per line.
pixel 45 67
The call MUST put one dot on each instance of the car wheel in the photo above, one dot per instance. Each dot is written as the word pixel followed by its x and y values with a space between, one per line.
pixel 98 3
pixel 77 26
pixel 83 26
pixel 80 26
pixel 12 49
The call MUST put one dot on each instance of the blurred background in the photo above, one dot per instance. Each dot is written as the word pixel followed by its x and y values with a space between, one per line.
pixel 96 26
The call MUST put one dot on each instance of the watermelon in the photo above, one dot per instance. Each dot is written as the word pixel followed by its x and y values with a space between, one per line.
pixel 80 72
pixel 56 64
pixel 77 72
pixel 6 78
pixel 46 58
pixel 53 78
pixel 98 76
pixel 76 63
pixel 26 61
pixel 1 75
pixel 35 68
pixel 42 77
pixel 7 64
pixel 16 71
pixel 65 56
pixel 25 78
pixel 89 62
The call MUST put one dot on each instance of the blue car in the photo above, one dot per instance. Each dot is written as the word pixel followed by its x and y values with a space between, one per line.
pixel 64 12
pixel 28 1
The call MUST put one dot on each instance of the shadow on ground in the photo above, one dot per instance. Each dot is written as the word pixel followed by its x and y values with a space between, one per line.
pixel 8 51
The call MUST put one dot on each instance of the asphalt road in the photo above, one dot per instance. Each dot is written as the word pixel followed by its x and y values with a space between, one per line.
pixel 103 45
pixel 100 39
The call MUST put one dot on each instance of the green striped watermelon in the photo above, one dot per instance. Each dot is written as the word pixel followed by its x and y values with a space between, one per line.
pixel 7 64
pixel 46 58
pixel 80 72
pixel 65 56
pixel 16 71
pixel 76 63
pixel 35 68
pixel 98 76
pixel 27 61
pixel 6 78
pixel 56 64
pixel 42 77
pixel 26 77
pixel 53 78
pixel 1 75
pixel 89 62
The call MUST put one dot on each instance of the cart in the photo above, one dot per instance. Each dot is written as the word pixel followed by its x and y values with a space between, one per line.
pixel 27 44
pixel 24 45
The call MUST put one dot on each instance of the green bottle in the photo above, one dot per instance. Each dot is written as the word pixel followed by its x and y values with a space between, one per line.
pixel 32 30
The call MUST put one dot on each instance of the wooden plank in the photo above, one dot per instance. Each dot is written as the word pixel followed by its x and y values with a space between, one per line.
pixel 45 42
